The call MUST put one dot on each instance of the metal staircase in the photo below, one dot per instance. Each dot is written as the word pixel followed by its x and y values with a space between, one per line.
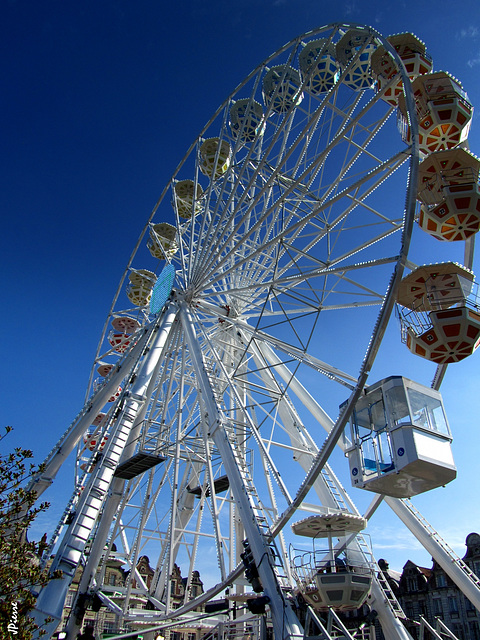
pixel 239 454
pixel 337 493
pixel 389 595
pixel 64 520
pixel 97 487
pixel 441 542
pixel 332 485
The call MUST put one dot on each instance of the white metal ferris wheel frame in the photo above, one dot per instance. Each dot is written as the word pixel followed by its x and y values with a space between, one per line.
pixel 410 197
pixel 141 371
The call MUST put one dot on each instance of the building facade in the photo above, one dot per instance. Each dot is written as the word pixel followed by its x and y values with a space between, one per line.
pixel 106 623
pixel 430 593
pixel 421 591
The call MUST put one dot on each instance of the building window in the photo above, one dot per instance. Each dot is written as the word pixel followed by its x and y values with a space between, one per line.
pixel 474 630
pixel 191 636
pixel 441 580
pixel 109 626
pixel 409 610
pixel 412 584
pixel 89 623
pixel 453 605
pixel 437 607
pixel 70 596
pixel 112 579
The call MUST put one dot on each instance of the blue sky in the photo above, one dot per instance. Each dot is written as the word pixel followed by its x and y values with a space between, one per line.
pixel 100 101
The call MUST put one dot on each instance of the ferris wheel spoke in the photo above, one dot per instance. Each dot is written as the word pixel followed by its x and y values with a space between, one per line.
pixel 293 352
pixel 248 418
pixel 356 201
pixel 299 443
pixel 343 129
pixel 249 293
pixel 300 300
pixel 393 225
pixel 298 227
pixel 216 224
pixel 291 234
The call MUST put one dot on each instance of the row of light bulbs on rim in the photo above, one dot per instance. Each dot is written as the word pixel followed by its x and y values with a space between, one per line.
pixel 448 177
pixel 281 85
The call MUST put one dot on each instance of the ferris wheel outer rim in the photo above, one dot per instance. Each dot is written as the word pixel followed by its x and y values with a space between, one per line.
pixel 388 302
pixel 409 214
pixel 337 25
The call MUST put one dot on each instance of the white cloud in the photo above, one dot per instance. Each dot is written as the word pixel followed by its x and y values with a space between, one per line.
pixel 350 8
pixel 469 32
pixel 474 61
pixel 393 538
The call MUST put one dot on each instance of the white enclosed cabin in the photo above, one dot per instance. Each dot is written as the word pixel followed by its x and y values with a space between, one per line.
pixel 282 88
pixel 246 117
pixel 319 66
pixel 187 198
pixel 336 573
pixel 400 439
pixel 354 51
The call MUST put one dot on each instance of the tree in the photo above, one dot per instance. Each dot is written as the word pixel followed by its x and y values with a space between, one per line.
pixel 20 568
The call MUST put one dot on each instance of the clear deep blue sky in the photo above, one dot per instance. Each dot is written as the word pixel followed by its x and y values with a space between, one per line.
pixel 99 102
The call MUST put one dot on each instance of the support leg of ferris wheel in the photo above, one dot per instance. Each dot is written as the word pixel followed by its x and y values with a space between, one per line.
pixel 52 597
pixel 387 614
pixel 114 499
pixel 325 632
pixel 77 611
pixel 284 620
pixel 305 449
pixel 80 424
pixel 455 568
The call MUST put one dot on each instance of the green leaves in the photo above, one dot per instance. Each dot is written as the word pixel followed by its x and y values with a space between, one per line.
pixel 20 567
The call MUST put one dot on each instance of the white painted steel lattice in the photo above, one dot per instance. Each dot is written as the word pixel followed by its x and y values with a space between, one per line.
pixel 291 236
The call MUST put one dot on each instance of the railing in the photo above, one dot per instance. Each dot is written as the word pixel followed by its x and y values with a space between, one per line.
pixel 241 629
pixel 440 632
pixel 306 565
pixel 418 320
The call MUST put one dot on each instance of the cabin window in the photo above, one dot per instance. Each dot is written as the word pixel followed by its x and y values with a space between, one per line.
pixel 427 412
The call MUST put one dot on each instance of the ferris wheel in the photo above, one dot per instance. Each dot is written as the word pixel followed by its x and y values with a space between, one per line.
pixel 239 343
